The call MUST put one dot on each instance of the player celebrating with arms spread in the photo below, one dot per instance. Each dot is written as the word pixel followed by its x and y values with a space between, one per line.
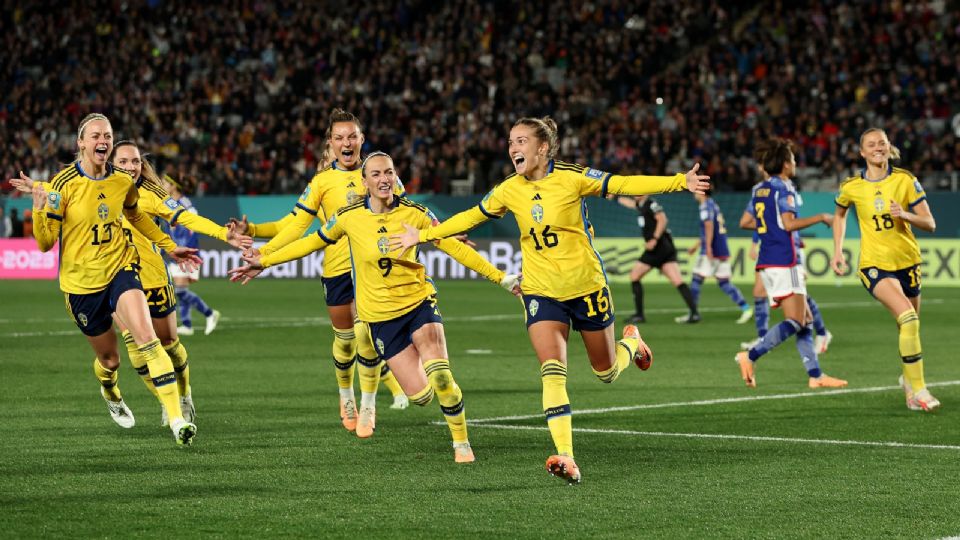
pixel 98 266
pixel 889 201
pixel 564 280
pixel 392 293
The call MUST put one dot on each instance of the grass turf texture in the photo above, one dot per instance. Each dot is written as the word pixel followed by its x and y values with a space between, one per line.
pixel 272 459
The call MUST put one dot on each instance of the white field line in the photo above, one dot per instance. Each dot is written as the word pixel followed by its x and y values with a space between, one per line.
pixel 584 412
pixel 301 322
pixel 756 438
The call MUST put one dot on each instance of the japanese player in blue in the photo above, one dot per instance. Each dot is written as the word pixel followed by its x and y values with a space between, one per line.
pixel 889 202
pixel 773 214
pixel 714 259
pixel 564 283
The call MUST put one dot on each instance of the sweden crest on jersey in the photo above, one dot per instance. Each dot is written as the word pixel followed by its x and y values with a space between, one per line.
pixel 103 212
pixel 537 213
pixel 383 245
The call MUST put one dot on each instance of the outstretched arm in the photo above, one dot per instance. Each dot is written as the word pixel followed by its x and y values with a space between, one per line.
pixel 46 227
pixel 468 257
pixel 185 257
pixel 648 185
pixel 459 223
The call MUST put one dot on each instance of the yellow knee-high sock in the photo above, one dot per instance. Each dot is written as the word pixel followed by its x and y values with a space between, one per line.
pixel 344 353
pixel 161 371
pixel 178 356
pixel 908 323
pixel 556 405
pixel 139 363
pixel 626 348
pixel 369 371
pixel 389 380
pixel 108 380
pixel 449 395
pixel 423 397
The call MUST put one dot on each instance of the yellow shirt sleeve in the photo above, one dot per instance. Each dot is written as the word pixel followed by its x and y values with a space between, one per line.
pixel 47 220
pixel 269 229
pixel 327 236
pixel 633 185
pixel 200 224
pixel 292 230
pixel 464 221
pixel 843 196
pixel 142 222
pixel 469 257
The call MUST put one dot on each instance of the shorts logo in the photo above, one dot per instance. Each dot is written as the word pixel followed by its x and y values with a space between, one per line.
pixel 380 346
pixel 82 319
pixel 53 201
pixel 873 273
pixel 103 212
pixel 383 244
pixel 537 213
pixel 533 308
pixel 171 204
pixel 595 174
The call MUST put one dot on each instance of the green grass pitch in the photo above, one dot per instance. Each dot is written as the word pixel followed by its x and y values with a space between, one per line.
pixel 681 451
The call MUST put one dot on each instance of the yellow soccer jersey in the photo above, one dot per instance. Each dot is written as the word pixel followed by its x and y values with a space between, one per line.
pixel 156 203
pixel 559 260
pixel 330 190
pixel 387 284
pixel 93 247
pixel 885 242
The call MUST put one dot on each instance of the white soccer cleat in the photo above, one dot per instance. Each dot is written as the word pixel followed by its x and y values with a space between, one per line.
pixel 745 316
pixel 822 343
pixel 119 412
pixel 747 345
pixel 212 321
pixel 462 453
pixel 186 406
pixel 920 401
pixel 400 401
pixel 184 330
pixel 183 432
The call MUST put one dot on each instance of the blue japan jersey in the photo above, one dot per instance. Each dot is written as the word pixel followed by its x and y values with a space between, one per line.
pixel 771 198
pixel 710 211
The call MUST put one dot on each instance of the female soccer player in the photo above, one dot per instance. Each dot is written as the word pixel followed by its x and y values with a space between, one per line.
pixel 337 185
pixel 564 280
pixel 889 201
pixel 774 216
pixel 185 235
pixel 714 259
pixel 153 271
pixel 392 292
pixel 98 266
pixel 659 252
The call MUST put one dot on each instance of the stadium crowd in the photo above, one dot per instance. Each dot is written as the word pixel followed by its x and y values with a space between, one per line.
pixel 237 94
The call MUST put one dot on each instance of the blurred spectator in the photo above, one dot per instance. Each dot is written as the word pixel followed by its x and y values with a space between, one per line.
pixel 27 224
pixel 6 227
pixel 236 95
pixel 16 226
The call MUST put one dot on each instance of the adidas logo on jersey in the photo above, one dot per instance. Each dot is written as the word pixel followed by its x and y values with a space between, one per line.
pixel 383 230
pixel 351 184
pixel 101 196
pixel 537 197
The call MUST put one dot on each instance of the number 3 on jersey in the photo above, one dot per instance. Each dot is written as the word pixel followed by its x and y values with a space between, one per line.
pixel 761 224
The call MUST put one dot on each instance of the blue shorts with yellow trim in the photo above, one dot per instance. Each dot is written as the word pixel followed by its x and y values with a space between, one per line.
pixel 162 301
pixel 909 278
pixel 391 337
pixel 338 290
pixel 93 313
pixel 590 312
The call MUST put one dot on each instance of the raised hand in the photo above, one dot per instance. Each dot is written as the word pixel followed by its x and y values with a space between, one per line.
pixel 24 183
pixel 236 238
pixel 827 219
pixel 697 183
pixel 242 225
pixel 186 258
pixel 405 241
pixel 39 196
pixel 244 274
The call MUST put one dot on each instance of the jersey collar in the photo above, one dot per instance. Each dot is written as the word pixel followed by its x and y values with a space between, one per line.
pixel 85 175
pixel 396 202
pixel 863 174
